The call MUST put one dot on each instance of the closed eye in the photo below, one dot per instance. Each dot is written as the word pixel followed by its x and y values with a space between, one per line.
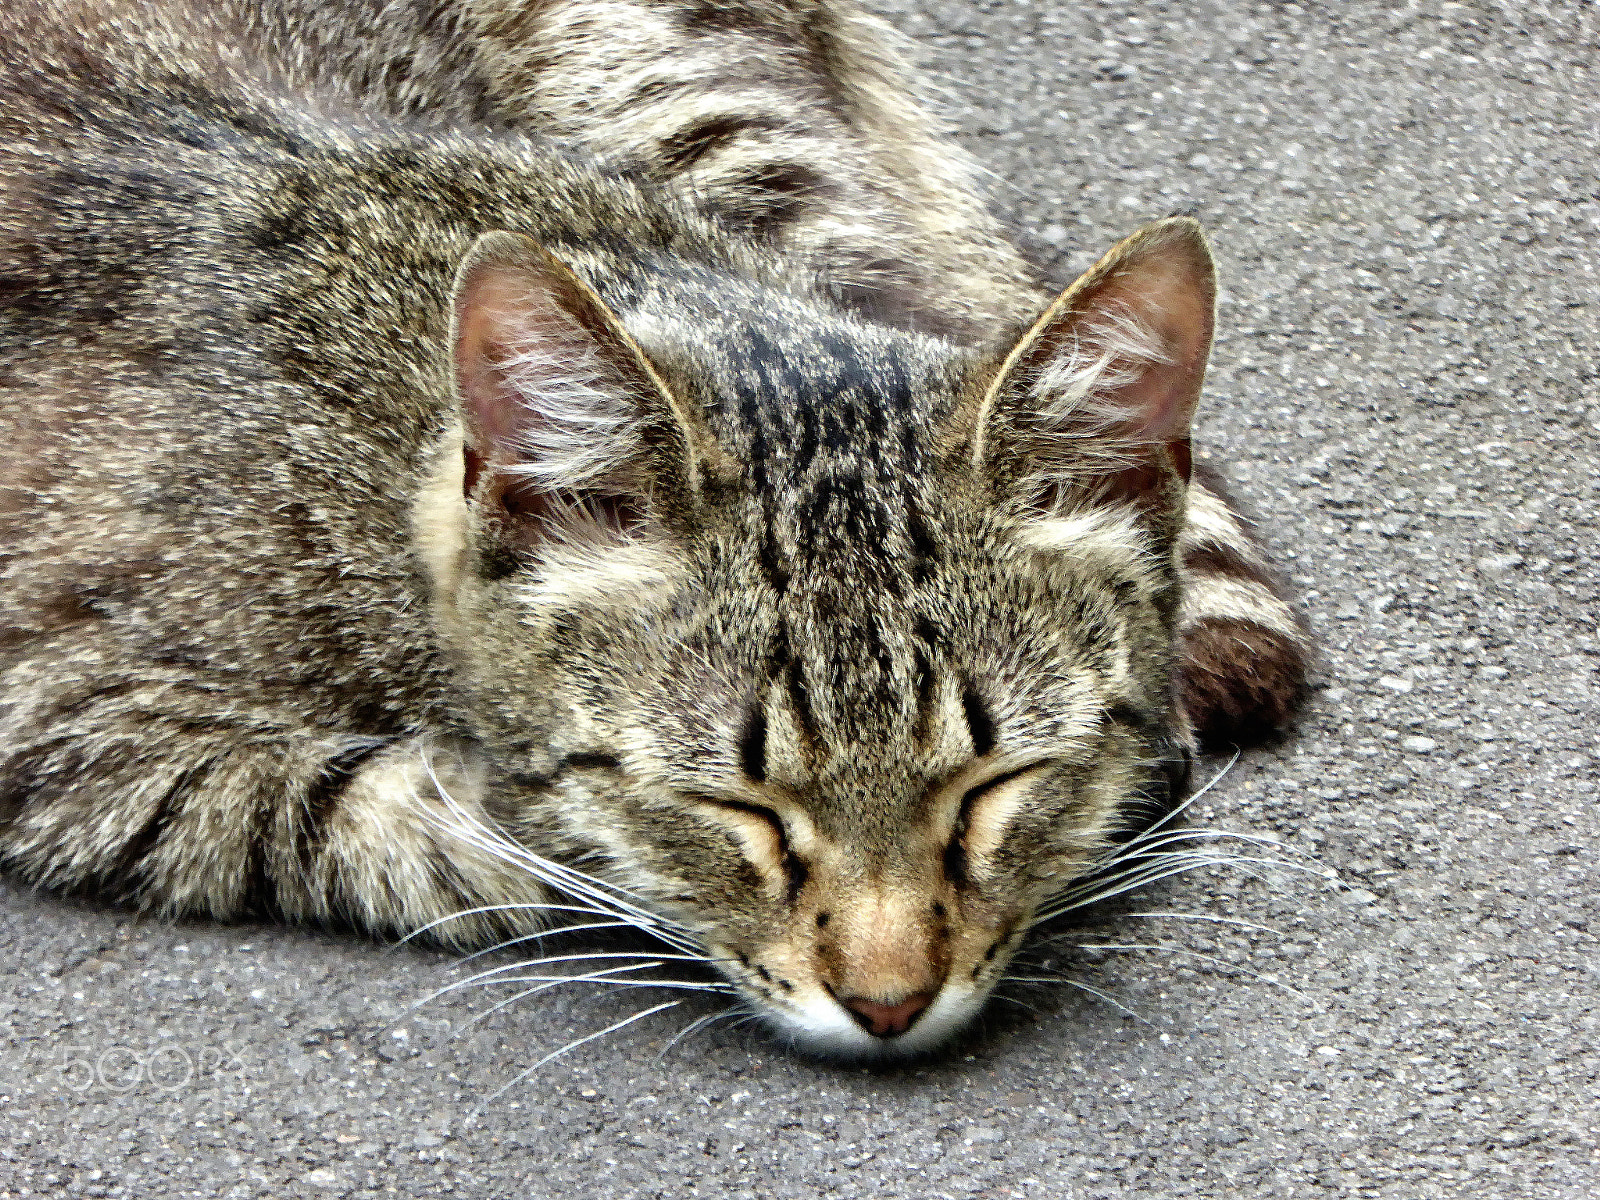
pixel 958 851
pixel 765 839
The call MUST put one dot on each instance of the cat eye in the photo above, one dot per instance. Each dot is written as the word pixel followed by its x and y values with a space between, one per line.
pixel 955 851
pixel 794 868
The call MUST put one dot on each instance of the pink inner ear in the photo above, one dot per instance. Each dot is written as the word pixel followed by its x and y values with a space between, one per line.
pixel 1098 396
pixel 492 318
pixel 1166 295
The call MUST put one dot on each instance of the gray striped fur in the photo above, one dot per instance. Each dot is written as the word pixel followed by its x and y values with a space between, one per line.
pixel 363 563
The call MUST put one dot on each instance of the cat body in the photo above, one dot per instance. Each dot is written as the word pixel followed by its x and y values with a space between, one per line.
pixel 404 503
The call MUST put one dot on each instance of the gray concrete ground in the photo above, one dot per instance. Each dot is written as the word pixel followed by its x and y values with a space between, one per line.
pixel 1403 198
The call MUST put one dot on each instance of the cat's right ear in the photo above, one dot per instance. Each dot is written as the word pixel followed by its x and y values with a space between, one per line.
pixel 561 411
pixel 1094 402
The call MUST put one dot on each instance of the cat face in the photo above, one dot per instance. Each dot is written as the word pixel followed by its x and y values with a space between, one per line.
pixel 840 647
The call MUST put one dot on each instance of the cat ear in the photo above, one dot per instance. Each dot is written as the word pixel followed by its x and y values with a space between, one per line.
pixel 1096 398
pixel 560 406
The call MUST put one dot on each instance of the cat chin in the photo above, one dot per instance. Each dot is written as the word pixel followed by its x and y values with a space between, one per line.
pixel 821 1028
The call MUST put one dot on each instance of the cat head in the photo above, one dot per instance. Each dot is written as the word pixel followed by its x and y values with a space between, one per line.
pixel 844 647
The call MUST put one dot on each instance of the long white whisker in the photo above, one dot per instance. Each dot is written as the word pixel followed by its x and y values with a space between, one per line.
pixel 1210 958
pixel 672 985
pixel 426 1000
pixel 1099 995
pixel 1193 796
pixel 1160 866
pixel 744 1020
pixel 691 1027
pixel 1174 836
pixel 1126 881
pixel 548 959
pixel 462 983
pixel 609 897
pixel 549 983
pixel 490 838
pixel 651 960
pixel 1033 1008
pixel 544 933
pixel 563 878
pixel 573 1045
pixel 495 908
pixel 1177 916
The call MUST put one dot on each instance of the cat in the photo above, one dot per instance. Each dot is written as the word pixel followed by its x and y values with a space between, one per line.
pixel 417 493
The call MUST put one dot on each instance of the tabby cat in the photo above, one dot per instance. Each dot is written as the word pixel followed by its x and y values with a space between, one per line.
pixel 456 443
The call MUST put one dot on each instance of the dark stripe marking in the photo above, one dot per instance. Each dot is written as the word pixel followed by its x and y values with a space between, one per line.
pixel 680 151
pixel 590 760
pixel 980 724
pixel 800 698
pixel 129 866
pixel 1215 558
pixel 925 691
pixel 753 746
pixel 771 564
pixel 323 796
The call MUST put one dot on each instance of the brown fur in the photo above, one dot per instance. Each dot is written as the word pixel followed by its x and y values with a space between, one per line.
pixel 414 507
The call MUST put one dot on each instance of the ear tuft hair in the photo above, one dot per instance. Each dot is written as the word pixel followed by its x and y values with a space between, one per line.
pixel 1079 396
pixel 576 424
pixel 1096 397
pixel 565 420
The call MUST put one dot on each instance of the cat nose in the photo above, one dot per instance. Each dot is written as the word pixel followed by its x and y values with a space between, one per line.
pixel 886 1020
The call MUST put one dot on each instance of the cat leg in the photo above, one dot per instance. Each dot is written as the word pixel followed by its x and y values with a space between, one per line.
pixel 386 836
pixel 402 841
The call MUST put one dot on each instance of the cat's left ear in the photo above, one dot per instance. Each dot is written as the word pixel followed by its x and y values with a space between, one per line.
pixel 1095 399
pixel 558 402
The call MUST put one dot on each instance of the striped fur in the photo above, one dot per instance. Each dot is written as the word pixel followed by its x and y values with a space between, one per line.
pixel 404 509
pixel 801 119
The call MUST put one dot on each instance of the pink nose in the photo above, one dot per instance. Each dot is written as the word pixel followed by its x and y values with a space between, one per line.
pixel 886 1020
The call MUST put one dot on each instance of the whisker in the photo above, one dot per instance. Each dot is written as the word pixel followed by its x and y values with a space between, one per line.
pixel 745 1020
pixel 1209 917
pixel 596 977
pixel 1151 830
pixel 492 1009
pixel 573 1045
pixel 651 960
pixel 496 908
pixel 544 933
pixel 1210 958
pixel 1034 1009
pixel 493 838
pixel 1116 885
pixel 548 959
pixel 609 896
pixel 1099 995
pixel 1161 866
pixel 691 1027
pixel 1173 836
pixel 459 984
pixel 673 985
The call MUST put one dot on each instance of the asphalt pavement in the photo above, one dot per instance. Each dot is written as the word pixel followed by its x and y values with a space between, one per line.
pixel 1404 203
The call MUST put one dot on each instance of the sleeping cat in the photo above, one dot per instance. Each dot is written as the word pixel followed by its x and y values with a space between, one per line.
pixel 416 493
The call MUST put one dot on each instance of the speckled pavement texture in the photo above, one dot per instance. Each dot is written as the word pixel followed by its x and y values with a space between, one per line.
pixel 1403 200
